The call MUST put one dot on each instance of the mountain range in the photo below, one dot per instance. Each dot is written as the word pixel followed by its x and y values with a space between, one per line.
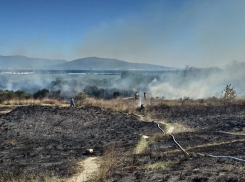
pixel 23 62
pixel 89 63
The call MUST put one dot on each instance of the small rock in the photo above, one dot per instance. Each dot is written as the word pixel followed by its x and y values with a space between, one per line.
pixel 89 151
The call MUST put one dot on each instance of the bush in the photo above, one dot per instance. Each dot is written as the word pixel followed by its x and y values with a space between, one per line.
pixel 10 95
pixel 228 94
pixel 40 94
pixel 80 96
pixel 19 94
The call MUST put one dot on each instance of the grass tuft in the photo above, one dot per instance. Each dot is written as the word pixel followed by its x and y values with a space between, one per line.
pixel 157 165
pixel 108 163
pixel 30 178
pixel 141 146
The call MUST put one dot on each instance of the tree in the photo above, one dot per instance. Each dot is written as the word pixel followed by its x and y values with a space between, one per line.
pixel 40 94
pixel 228 94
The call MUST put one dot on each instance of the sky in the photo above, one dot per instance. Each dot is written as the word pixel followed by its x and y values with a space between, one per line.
pixel 201 33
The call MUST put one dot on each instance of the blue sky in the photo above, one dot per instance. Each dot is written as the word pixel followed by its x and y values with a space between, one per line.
pixel 165 32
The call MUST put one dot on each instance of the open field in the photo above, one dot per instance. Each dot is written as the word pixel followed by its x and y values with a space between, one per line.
pixel 51 141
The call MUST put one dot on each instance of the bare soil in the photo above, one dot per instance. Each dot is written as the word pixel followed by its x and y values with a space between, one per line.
pixel 90 167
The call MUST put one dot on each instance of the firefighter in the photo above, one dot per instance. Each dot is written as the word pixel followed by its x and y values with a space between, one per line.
pixel 136 96
pixel 72 102
pixel 142 107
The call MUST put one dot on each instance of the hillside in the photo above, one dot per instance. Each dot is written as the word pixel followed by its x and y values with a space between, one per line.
pixel 95 63
pixel 17 62
pixel 89 63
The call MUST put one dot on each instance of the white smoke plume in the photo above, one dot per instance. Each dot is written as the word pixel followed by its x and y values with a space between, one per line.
pixel 199 83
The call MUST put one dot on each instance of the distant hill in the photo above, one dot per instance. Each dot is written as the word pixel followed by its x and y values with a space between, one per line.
pixel 95 63
pixel 89 63
pixel 23 62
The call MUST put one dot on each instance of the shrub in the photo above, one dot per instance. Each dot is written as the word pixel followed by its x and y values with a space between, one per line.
pixel 20 94
pixel 40 94
pixel 228 94
pixel 80 96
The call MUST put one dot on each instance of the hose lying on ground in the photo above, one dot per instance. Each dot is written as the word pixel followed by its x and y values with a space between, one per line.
pixel 159 127
pixel 224 157
pixel 183 150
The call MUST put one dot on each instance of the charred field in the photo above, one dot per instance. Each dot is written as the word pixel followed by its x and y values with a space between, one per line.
pixel 50 141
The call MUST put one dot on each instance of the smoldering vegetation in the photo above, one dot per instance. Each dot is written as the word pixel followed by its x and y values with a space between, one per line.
pixel 192 82
pixel 198 83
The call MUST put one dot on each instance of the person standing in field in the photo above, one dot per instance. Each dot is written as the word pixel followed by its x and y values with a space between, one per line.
pixel 136 96
pixel 144 95
pixel 72 102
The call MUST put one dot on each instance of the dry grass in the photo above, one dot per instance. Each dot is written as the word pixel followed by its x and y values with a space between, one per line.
pixel 176 128
pixel 141 146
pixel 26 102
pixel 129 105
pixel 156 138
pixel 51 102
pixel 161 164
pixel 22 102
pixel 126 105
pixel 213 144
pixel 117 105
pixel 193 148
pixel 233 133
pixel 108 163
pixel 13 142
pixel 30 178
pixel 132 106
pixel 227 169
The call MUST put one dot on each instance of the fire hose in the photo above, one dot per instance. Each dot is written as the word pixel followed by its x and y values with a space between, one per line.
pixel 213 156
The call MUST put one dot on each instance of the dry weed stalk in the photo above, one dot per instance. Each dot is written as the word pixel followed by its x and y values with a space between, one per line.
pixel 108 163
pixel 117 105
pixel 26 102
pixel 228 95
pixel 29 178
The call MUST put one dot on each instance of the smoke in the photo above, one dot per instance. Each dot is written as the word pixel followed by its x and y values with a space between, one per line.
pixel 198 83
pixel 200 33
pixel 170 33
pixel 195 83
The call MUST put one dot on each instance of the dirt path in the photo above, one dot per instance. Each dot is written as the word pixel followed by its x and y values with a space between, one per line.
pixel 170 128
pixel 90 166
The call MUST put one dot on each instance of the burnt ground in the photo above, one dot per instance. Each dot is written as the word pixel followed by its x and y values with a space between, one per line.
pixel 49 140
pixel 216 130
